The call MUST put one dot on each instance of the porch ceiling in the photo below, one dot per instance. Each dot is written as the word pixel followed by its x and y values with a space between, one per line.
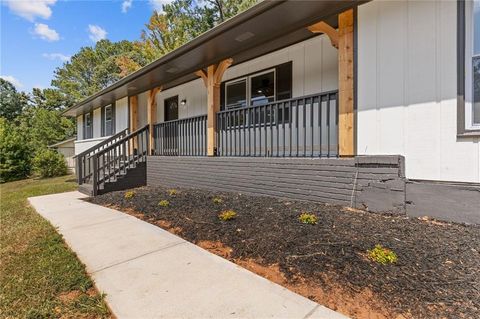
pixel 266 27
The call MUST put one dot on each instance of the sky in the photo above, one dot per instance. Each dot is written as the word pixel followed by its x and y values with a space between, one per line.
pixel 37 36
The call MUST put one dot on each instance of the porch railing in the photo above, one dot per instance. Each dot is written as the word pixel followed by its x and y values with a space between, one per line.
pixel 118 157
pixel 300 127
pixel 184 137
pixel 84 163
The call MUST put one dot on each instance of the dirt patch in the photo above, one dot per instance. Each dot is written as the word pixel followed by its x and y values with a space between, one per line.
pixel 436 275
pixel 69 296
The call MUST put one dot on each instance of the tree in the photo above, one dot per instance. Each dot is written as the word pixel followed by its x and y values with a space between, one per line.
pixel 45 127
pixel 12 103
pixel 183 20
pixel 50 99
pixel 15 154
pixel 94 68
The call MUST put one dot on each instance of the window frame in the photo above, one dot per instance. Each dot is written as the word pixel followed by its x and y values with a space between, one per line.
pixel 105 133
pixel 465 125
pixel 248 87
pixel 88 125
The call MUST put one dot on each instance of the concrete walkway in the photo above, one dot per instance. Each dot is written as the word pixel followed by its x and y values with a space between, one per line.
pixel 147 272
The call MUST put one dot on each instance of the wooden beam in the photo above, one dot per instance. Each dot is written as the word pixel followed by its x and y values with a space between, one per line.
pixel 152 116
pixel 212 79
pixel 345 84
pixel 323 27
pixel 133 108
pixel 203 75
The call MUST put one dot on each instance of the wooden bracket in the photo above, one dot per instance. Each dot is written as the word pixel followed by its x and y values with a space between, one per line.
pixel 323 27
pixel 203 75
pixel 218 71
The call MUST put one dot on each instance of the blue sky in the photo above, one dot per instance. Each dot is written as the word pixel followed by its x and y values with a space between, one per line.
pixel 38 36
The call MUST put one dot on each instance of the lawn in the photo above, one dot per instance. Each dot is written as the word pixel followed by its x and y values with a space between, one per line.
pixel 40 277
pixel 327 252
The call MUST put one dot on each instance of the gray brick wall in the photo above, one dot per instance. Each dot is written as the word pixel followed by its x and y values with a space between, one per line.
pixel 376 183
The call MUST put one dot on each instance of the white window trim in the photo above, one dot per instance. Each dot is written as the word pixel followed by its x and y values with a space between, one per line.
pixel 105 120
pixel 469 125
pixel 248 85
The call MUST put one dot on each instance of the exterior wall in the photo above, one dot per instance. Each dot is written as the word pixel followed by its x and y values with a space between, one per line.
pixel 83 145
pixel 314 70
pixel 80 127
pixel 407 82
pixel 375 183
pixel 121 114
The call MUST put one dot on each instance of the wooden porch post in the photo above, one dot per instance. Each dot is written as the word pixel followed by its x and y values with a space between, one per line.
pixel 152 117
pixel 133 105
pixel 212 79
pixel 345 84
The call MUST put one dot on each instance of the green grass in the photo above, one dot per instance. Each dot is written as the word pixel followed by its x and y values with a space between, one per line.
pixel 40 277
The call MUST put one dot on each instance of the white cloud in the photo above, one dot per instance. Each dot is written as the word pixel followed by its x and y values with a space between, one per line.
pixel 56 56
pixel 44 32
pixel 30 9
pixel 126 4
pixel 12 80
pixel 96 33
pixel 158 4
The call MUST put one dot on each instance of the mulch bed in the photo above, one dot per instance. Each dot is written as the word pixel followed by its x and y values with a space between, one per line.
pixel 437 274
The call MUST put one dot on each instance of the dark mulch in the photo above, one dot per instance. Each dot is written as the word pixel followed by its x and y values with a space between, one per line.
pixel 437 273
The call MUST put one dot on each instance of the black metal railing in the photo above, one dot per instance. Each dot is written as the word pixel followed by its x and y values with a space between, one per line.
pixel 300 127
pixel 84 163
pixel 118 157
pixel 184 137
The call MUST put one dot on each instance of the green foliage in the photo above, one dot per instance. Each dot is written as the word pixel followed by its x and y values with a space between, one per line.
pixel 15 154
pixel 50 99
pixel 49 163
pixel 12 102
pixel 227 215
pixel 217 200
pixel 164 203
pixel 382 255
pixel 45 127
pixel 172 192
pixel 94 68
pixel 129 194
pixel 308 218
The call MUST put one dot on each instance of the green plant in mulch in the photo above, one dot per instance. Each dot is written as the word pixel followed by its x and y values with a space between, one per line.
pixel 307 218
pixel 129 195
pixel 382 255
pixel 227 215
pixel 163 203
pixel 172 192
pixel 217 200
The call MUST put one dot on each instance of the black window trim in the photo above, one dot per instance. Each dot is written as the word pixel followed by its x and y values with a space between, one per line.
pixel 88 134
pixel 103 132
pixel 462 131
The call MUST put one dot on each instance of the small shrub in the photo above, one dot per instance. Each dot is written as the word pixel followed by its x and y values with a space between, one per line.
pixel 49 163
pixel 217 200
pixel 129 195
pixel 307 218
pixel 227 215
pixel 382 255
pixel 172 192
pixel 163 203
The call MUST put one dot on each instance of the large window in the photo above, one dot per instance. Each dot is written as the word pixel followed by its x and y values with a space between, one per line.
pixel 252 90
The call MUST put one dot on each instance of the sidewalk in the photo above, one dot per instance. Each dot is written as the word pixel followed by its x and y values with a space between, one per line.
pixel 147 272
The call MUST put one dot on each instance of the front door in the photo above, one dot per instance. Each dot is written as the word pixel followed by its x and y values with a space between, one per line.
pixel 171 130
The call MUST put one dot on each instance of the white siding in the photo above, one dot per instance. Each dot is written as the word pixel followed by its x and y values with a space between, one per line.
pixel 314 68
pixel 97 122
pixel 80 127
pixel 407 89
pixel 121 114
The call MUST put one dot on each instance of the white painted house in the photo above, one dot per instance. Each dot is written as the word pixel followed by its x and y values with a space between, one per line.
pixel 347 80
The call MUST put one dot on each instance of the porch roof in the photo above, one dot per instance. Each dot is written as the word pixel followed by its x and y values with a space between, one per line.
pixel 266 27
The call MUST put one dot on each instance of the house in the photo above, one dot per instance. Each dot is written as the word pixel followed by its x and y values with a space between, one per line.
pixel 67 149
pixel 370 104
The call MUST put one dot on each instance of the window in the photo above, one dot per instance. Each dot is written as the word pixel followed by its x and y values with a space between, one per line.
pixel 252 90
pixel 236 94
pixel 171 108
pixel 108 122
pixel 87 126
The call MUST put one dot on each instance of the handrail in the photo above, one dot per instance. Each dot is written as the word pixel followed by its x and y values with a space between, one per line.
pixel 102 143
pixel 181 120
pixel 118 157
